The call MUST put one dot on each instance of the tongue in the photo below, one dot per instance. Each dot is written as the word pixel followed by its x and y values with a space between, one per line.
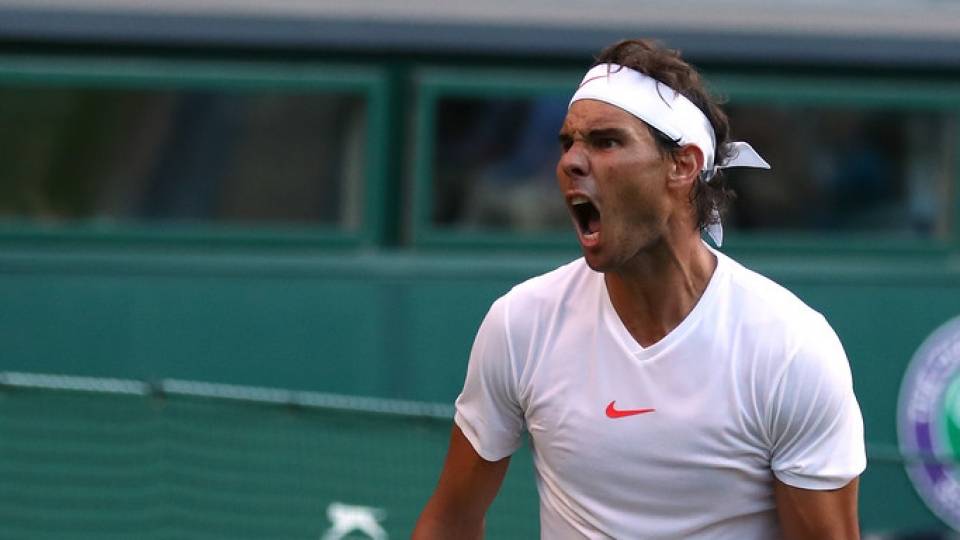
pixel 593 221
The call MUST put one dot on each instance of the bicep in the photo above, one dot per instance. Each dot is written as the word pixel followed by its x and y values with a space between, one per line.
pixel 467 486
pixel 468 480
pixel 827 514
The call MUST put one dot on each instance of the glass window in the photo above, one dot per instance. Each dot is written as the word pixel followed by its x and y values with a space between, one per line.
pixel 835 169
pixel 885 171
pixel 494 163
pixel 181 155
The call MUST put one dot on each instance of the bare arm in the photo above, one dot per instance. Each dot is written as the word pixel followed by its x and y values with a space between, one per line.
pixel 827 515
pixel 466 488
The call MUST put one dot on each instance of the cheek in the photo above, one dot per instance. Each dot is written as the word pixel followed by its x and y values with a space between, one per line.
pixel 625 185
pixel 639 198
pixel 561 178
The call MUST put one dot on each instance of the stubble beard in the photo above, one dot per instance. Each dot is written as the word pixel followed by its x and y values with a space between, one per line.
pixel 622 260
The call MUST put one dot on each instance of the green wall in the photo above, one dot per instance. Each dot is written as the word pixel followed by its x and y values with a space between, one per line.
pixel 399 325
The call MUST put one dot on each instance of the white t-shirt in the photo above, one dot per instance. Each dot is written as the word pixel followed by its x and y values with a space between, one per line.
pixel 751 384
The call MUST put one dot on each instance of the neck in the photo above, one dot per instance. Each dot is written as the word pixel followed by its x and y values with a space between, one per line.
pixel 660 287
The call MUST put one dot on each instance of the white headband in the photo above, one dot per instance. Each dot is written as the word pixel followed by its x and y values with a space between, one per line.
pixel 669 112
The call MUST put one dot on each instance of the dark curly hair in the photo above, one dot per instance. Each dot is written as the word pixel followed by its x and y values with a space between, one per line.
pixel 665 65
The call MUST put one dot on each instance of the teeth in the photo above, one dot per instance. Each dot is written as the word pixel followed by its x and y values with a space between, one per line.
pixel 579 199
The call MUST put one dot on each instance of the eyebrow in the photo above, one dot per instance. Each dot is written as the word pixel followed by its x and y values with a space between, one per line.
pixel 596 134
pixel 607 132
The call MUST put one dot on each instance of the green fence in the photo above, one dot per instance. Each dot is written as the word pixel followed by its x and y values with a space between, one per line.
pixel 100 458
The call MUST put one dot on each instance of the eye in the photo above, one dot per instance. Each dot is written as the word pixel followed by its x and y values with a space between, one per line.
pixel 606 143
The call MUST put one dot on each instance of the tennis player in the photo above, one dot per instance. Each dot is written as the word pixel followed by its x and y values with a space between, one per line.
pixel 668 391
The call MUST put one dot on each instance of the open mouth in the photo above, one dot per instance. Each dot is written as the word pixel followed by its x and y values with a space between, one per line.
pixel 586 215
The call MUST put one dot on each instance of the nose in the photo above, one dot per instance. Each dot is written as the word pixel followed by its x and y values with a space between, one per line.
pixel 575 162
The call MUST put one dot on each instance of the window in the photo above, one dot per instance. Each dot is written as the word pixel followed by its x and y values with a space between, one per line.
pixel 206 145
pixel 878 171
pixel 486 154
pixel 863 159
pixel 494 164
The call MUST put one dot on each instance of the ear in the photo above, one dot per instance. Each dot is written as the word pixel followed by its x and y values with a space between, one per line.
pixel 685 168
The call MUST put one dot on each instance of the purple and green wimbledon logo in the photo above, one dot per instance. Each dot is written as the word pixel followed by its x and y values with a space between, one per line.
pixel 928 422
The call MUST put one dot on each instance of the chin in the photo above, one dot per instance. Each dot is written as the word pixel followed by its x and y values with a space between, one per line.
pixel 606 261
pixel 597 262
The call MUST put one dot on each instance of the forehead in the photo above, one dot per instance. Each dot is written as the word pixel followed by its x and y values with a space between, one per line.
pixel 587 114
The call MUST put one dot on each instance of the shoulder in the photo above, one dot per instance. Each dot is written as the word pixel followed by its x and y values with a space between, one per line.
pixel 531 306
pixel 761 302
pixel 762 295
pixel 800 371
pixel 552 289
pixel 773 319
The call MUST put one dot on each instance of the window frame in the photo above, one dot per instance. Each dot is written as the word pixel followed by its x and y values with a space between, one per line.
pixel 146 72
pixel 435 83
pixel 432 84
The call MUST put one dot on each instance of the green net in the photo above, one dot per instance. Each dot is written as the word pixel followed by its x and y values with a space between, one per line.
pixel 208 461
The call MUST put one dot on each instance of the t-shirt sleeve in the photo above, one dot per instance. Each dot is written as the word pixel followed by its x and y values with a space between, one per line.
pixel 487 410
pixel 815 425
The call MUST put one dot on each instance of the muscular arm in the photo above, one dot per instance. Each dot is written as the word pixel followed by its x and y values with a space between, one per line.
pixel 828 515
pixel 466 488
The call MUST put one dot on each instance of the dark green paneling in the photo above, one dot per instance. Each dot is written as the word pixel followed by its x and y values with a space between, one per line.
pixel 379 325
pixel 857 92
pixel 390 325
pixel 78 465
pixel 888 501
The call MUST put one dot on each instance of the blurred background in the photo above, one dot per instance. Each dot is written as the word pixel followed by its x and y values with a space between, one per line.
pixel 245 246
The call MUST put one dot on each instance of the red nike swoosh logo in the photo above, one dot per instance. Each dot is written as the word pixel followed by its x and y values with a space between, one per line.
pixel 613 412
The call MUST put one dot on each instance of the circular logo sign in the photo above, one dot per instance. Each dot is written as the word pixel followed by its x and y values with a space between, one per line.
pixel 928 423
